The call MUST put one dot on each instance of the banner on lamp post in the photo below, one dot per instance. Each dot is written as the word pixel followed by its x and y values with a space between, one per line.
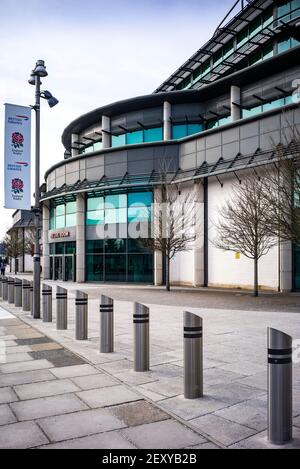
pixel 17 157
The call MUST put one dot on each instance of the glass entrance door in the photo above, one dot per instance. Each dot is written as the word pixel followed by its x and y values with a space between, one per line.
pixel 296 269
pixel 58 268
pixel 69 275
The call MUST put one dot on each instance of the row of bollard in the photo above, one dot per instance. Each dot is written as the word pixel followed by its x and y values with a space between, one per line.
pixel 280 371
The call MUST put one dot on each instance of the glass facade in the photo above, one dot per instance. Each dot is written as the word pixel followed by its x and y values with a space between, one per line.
pixel 267 106
pixel 62 215
pixel 96 146
pixel 137 137
pixel 119 208
pixel 286 11
pixel 118 260
pixel 184 130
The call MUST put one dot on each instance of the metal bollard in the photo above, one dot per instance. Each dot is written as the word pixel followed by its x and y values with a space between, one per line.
pixel 5 288
pixel 1 289
pixel 25 295
pixel 280 387
pixel 18 292
pixel 141 337
pixel 106 324
pixel 11 290
pixel 31 297
pixel 193 356
pixel 47 303
pixel 61 308
pixel 81 306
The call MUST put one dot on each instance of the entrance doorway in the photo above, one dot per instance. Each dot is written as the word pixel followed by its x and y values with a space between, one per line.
pixel 62 268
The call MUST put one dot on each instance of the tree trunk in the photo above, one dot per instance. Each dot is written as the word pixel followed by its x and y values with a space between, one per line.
pixel 167 273
pixel 256 277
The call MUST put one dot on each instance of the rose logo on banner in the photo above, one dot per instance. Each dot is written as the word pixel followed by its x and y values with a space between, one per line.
pixel 17 140
pixel 17 186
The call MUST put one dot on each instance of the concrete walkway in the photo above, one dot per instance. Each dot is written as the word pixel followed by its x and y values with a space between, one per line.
pixel 233 412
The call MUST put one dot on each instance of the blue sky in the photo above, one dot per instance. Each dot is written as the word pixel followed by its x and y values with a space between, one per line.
pixel 96 52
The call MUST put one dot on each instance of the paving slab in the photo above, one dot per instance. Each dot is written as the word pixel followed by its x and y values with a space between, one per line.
pixel 109 440
pixel 234 393
pixel 138 413
pixel 117 366
pixel 214 376
pixel 259 380
pixel 252 413
pixel 134 379
pixel 45 389
pixel 189 409
pixel 6 416
pixel 260 441
pixel 73 371
pixel 45 347
pixel 12 379
pixel 7 395
pixel 17 357
pixel 165 387
pixel 25 366
pixel 21 435
pixel 79 424
pixel 222 430
pixel 108 396
pixel 99 380
pixel 167 434
pixel 47 406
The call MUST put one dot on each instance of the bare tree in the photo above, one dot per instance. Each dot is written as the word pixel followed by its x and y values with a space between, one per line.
pixel 243 224
pixel 173 221
pixel 13 246
pixel 282 188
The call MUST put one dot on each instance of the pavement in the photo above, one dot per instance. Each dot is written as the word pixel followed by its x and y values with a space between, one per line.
pixel 70 395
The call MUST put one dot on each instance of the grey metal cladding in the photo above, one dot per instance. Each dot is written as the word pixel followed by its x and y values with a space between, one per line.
pixel 250 129
pixel 249 145
pixel 269 124
pixel 230 150
pixel 140 166
pixel 116 169
pixel 152 116
pixel 116 157
pixel 170 151
pixel 230 135
pixel 138 154
pixel 270 140
pixel 213 154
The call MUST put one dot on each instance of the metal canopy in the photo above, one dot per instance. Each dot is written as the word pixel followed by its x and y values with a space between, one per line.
pixel 222 36
pixel 147 181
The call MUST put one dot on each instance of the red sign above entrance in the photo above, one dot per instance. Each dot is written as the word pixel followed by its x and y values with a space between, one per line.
pixel 60 234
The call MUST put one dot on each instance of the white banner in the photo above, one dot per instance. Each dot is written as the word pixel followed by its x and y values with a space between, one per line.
pixel 17 157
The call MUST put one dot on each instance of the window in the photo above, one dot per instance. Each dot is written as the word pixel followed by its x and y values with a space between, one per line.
pixel 183 130
pixel 134 137
pixel 139 206
pixel 276 103
pixel 153 135
pixel 63 215
pixel 118 140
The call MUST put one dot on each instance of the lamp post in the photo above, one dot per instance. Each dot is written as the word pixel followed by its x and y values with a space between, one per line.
pixel 35 79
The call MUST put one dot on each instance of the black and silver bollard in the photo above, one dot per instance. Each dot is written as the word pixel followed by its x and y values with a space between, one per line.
pixel 81 305
pixel 11 290
pixel 141 337
pixel 5 288
pixel 280 387
pixel 106 324
pixel 47 303
pixel 25 295
pixel 193 356
pixel 18 292
pixel 31 297
pixel 61 308
pixel 1 289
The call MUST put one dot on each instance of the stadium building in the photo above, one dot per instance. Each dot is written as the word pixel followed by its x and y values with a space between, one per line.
pixel 212 121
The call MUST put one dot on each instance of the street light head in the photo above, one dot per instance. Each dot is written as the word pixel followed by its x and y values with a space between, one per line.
pixel 52 101
pixel 40 69
pixel 48 96
pixel 31 80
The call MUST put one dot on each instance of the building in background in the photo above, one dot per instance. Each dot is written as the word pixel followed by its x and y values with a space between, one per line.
pixel 212 121
pixel 23 229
